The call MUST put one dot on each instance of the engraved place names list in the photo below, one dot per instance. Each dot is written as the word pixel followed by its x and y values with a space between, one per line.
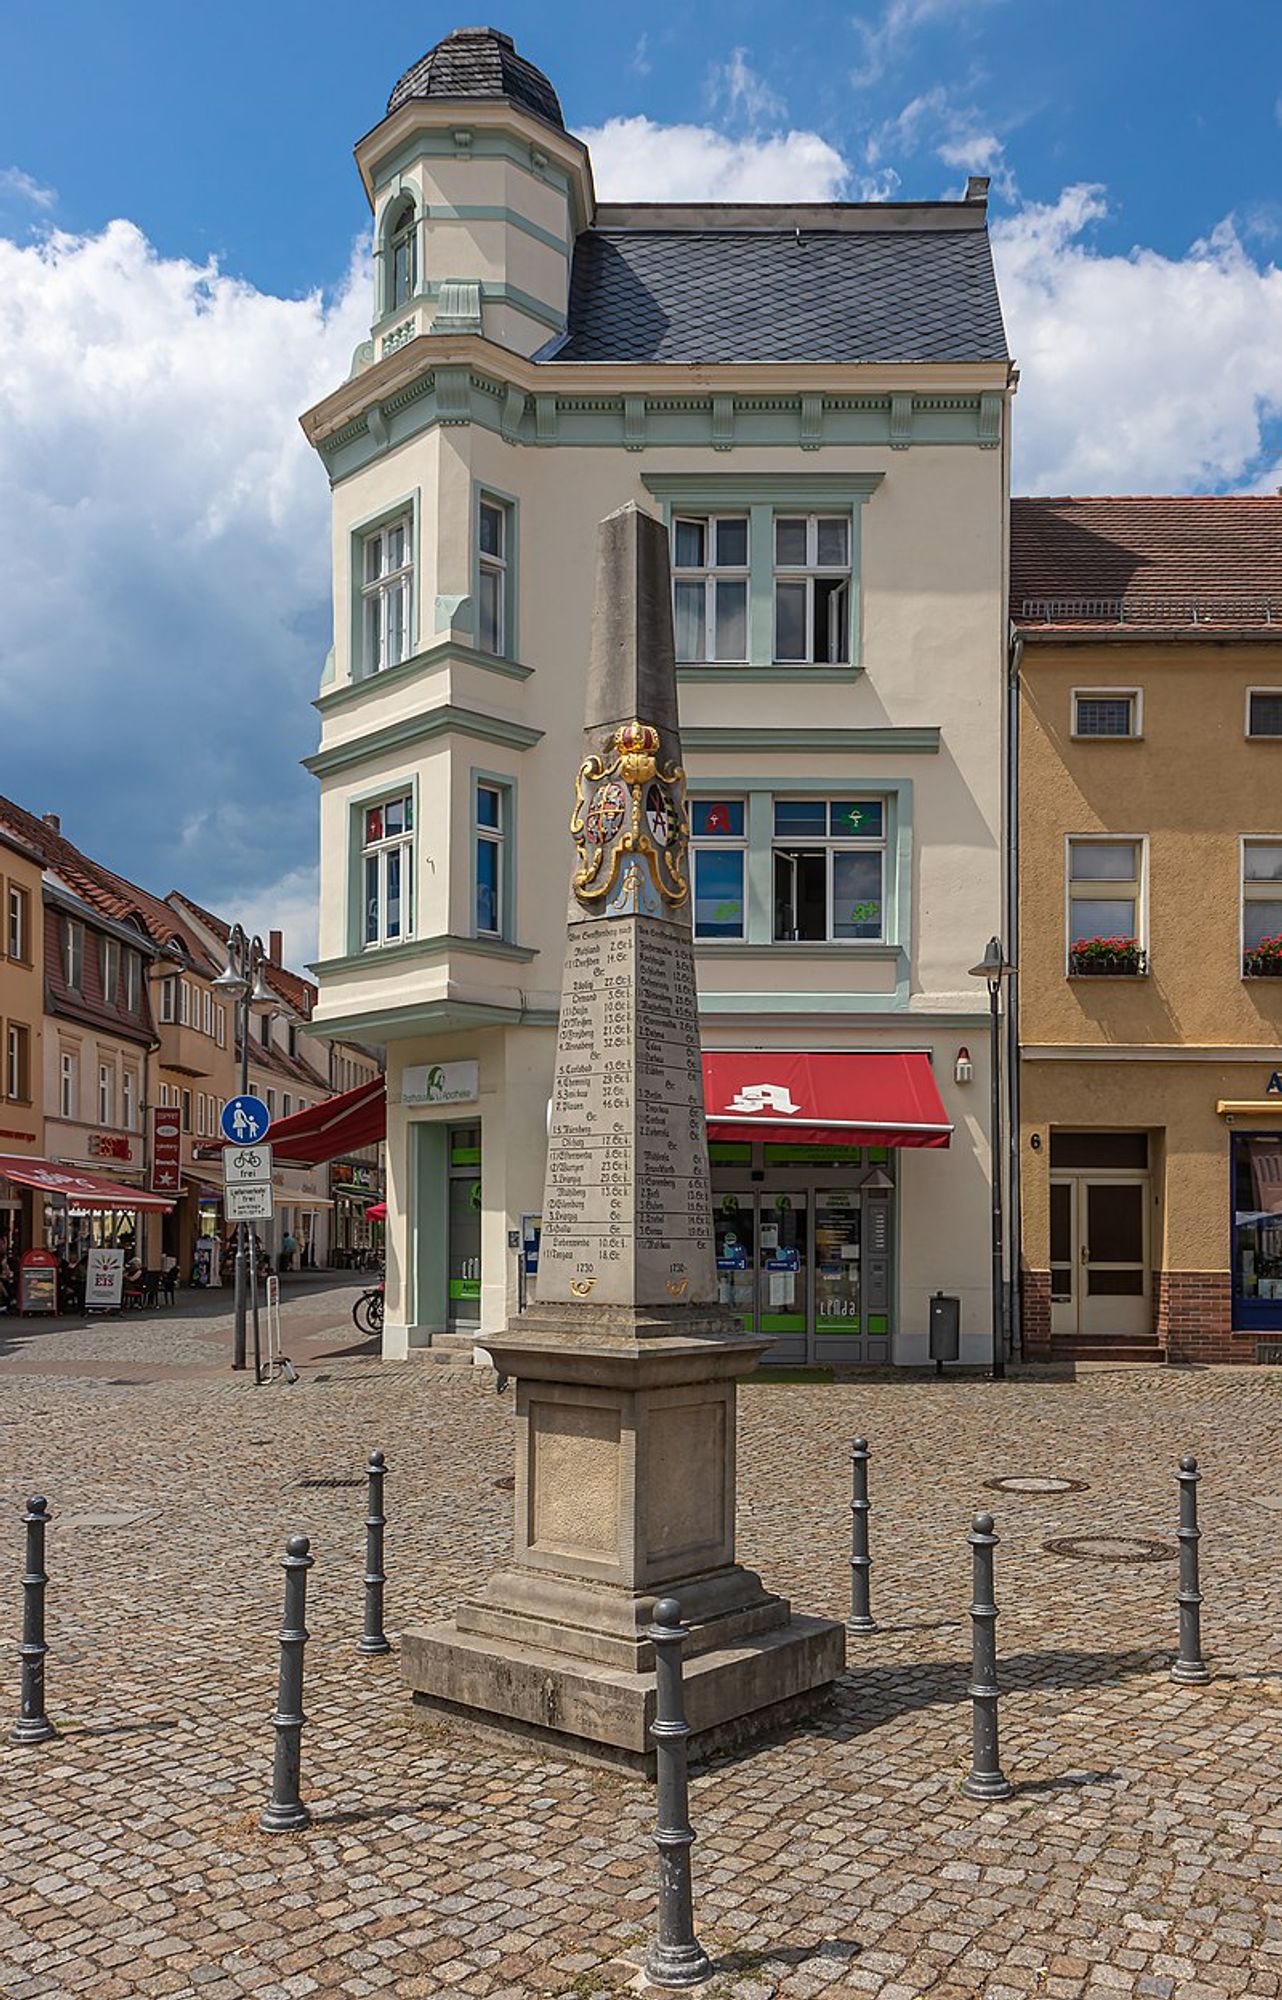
pixel 627 1212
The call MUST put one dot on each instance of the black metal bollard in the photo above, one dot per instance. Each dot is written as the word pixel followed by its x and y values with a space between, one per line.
pixel 285 1812
pixel 986 1779
pixel 1190 1668
pixel 861 1618
pixel 374 1639
pixel 676 1957
pixel 33 1725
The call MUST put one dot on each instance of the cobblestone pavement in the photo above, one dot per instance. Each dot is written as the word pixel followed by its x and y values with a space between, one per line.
pixel 1141 1853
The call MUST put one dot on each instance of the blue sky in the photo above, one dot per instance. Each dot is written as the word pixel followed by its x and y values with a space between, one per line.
pixel 181 240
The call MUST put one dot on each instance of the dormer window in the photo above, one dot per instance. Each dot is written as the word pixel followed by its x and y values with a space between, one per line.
pixel 402 247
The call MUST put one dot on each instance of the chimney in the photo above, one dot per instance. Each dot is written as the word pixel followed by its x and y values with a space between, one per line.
pixel 52 819
pixel 977 187
pixel 275 947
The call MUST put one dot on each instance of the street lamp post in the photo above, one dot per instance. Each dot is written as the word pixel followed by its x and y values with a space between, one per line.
pixel 993 968
pixel 242 980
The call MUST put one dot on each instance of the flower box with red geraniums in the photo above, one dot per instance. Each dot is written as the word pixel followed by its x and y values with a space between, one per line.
pixel 1108 955
pixel 1263 960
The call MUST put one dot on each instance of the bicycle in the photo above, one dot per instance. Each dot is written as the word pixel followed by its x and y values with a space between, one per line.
pixel 368 1311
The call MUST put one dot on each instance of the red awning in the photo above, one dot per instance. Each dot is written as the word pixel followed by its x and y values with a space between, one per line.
pixel 376 1212
pixel 81 1189
pixel 824 1098
pixel 325 1131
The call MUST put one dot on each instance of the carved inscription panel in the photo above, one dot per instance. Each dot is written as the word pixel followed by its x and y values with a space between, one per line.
pixel 627 1211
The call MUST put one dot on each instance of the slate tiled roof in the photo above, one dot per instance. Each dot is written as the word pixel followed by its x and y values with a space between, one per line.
pixel 1147 562
pixel 776 294
pixel 478 62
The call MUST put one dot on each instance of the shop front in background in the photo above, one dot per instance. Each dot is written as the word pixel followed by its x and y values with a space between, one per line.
pixel 1256 1200
pixel 804 1239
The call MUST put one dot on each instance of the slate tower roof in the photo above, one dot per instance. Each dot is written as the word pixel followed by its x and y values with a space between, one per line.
pixel 479 62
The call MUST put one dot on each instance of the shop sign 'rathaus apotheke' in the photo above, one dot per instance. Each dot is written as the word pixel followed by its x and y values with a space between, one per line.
pixel 625 1370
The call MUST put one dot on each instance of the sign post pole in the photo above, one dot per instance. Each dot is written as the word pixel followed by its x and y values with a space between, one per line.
pixel 244 1123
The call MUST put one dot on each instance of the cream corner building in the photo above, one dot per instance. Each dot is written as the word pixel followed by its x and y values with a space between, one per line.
pixel 817 399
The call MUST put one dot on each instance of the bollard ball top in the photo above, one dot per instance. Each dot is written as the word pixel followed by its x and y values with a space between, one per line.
pixel 983 1524
pixel 1188 1463
pixel 377 1460
pixel 859 1444
pixel 667 1611
pixel 37 1504
pixel 297 1545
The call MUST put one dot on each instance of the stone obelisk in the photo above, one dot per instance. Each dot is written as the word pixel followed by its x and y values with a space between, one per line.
pixel 626 1368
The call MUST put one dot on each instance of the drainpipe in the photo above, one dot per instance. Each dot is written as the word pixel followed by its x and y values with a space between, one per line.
pixel 1015 1232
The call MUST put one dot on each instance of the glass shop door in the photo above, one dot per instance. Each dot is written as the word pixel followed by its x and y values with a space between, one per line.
pixel 783 1275
pixel 464 1221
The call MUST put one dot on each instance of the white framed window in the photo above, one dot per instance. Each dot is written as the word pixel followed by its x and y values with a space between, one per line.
pixel 1261 908
pixel 265 1030
pixel 1105 894
pixel 271 1103
pixel 387 870
pixel 1264 711
pixel 284 1104
pixel 69 1084
pixel 186 1111
pixel 220 1023
pixel 492 808
pixel 206 1011
pixel 200 1114
pixel 829 870
pixel 168 1000
pixel 719 866
pixel 17 1067
pixel 1107 712
pixel 16 923
pixel 106 1094
pixel 73 954
pixel 128 1099
pixel 184 1003
pixel 494 579
pixel 710 587
pixel 132 968
pixel 387 581
pixel 812 588
pixel 110 971
pixel 402 255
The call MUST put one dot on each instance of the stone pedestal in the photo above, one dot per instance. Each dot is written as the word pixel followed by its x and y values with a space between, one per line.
pixel 625 1484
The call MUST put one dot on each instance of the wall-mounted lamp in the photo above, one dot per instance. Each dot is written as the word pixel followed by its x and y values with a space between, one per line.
pixel 963 1068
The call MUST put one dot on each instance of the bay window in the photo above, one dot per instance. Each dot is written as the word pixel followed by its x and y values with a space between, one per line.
pixel 110 971
pixel 73 954
pixel 387 871
pixel 493 580
pixel 492 809
pixel 387 558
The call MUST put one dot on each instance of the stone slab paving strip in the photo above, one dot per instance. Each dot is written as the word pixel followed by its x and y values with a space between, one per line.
pixel 1141 1853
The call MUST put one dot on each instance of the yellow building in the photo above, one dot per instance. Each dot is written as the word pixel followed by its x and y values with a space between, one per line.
pixel 21 1029
pixel 1150 931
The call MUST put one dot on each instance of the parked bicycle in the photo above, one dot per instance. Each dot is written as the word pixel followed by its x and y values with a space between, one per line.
pixel 368 1310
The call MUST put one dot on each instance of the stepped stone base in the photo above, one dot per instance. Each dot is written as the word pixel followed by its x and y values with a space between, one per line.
pixel 602 1715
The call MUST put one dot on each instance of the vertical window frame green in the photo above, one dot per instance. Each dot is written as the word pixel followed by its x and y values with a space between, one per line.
pixel 503 783
pixel 356 806
pixel 357 535
pixel 486 490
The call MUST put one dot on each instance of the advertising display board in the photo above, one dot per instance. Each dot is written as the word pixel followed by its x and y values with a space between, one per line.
pixel 104 1279
pixel 38 1282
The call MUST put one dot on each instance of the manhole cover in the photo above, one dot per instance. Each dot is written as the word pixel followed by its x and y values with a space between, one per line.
pixel 328 1483
pixel 1036 1482
pixel 1111 1548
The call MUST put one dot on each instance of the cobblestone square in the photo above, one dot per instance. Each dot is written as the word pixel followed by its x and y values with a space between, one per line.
pixel 1141 1853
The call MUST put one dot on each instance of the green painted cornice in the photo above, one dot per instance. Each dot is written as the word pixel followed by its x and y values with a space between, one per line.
pixel 425 391
pixel 793 489
pixel 416 951
pixel 444 653
pixel 433 1017
pixel 907 742
pixel 443 721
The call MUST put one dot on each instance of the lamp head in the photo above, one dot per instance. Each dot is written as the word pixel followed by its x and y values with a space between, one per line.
pixel 262 1000
pixel 994 965
pixel 230 981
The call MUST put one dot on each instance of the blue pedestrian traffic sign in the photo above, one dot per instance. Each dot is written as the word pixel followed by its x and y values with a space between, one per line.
pixel 245 1120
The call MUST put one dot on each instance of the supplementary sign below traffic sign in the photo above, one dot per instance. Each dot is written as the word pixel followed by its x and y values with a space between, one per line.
pixel 243 1166
pixel 245 1121
pixel 250 1203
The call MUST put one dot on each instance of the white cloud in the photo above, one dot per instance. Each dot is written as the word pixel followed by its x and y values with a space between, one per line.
pixel 744 94
pixel 641 56
pixel 884 39
pixel 953 129
pixel 634 159
pixel 166 528
pixel 288 905
pixel 13 181
pixel 1139 373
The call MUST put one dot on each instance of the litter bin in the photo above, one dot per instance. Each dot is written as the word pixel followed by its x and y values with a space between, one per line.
pixel 945 1330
